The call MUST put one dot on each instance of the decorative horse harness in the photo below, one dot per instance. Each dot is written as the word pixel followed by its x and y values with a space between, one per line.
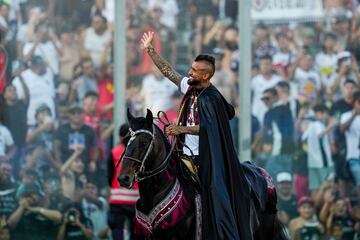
pixel 174 207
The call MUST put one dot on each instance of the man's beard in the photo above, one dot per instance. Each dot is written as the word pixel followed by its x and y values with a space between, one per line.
pixel 193 82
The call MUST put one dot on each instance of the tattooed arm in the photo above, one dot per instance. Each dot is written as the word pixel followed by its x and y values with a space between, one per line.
pixel 166 69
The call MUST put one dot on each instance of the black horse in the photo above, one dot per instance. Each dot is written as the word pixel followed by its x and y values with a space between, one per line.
pixel 168 207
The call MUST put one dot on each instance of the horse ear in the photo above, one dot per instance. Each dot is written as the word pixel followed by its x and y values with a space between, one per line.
pixel 149 118
pixel 129 115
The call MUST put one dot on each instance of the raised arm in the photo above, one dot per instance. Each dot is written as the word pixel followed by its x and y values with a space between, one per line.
pixel 166 69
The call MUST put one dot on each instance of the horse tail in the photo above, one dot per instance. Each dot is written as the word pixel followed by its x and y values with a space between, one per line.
pixel 271 228
pixel 279 232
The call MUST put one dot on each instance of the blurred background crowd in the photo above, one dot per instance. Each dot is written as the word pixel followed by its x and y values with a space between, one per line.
pixel 56 84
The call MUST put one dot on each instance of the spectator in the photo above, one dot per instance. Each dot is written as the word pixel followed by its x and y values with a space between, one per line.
pixel 338 213
pixel 283 91
pixel 40 82
pixel 31 218
pixel 169 10
pixel 41 137
pixel 306 226
pixel 262 46
pixel 347 70
pixel 338 142
pixel 106 93
pixel 15 119
pixel 95 208
pixel 7 146
pixel 75 226
pixel 95 39
pixel 74 133
pixel 122 201
pixel 90 118
pixel 326 60
pixel 156 91
pixel 350 125
pixel 286 198
pixel 87 81
pixel 222 78
pixel 69 53
pixel 8 202
pixel 278 124
pixel 46 45
pixel 284 56
pixel 166 36
pixel 73 174
pixel 266 79
pixel 320 163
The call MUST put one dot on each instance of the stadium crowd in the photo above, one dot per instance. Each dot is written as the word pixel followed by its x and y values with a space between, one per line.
pixel 57 158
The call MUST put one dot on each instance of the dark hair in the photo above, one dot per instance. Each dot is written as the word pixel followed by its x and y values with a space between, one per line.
pixel 207 58
pixel 356 95
pixel 84 60
pixel 330 35
pixel 284 85
pixel 266 57
pixel 43 108
pixel 41 27
pixel 271 91
pixel 321 108
pixel 91 94
pixel 100 16
pixel 350 81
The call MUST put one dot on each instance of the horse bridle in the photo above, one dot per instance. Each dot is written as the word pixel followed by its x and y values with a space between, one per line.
pixel 141 171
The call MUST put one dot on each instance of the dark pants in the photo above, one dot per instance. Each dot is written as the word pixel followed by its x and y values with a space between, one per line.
pixel 119 216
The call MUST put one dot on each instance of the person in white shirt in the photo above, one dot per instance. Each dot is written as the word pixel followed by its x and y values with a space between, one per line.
pixel 350 125
pixel 95 208
pixel 169 9
pixel 156 91
pixel 40 82
pixel 95 39
pixel 347 70
pixel 320 162
pixel 284 56
pixel 7 146
pixel 45 45
pixel 307 80
pixel 326 60
pixel 265 80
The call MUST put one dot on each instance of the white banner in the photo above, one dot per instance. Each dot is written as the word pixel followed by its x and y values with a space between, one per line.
pixel 286 10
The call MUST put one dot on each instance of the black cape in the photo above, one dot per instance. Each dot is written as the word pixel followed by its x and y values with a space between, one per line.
pixel 227 187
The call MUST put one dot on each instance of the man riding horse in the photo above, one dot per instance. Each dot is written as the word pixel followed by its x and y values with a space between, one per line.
pixel 225 186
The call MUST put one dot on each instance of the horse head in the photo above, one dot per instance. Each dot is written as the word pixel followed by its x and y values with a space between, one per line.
pixel 142 151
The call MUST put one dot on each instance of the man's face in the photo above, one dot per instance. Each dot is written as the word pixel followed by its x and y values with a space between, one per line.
pixel 88 68
pixel 265 66
pixel 283 43
pixel 91 189
pixel 5 172
pixel 268 99
pixel 285 188
pixel 329 43
pixel 348 90
pixel 98 23
pixel 261 34
pixel 76 116
pixel 10 93
pixel 4 11
pixel 90 104
pixel 306 62
pixel 198 73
